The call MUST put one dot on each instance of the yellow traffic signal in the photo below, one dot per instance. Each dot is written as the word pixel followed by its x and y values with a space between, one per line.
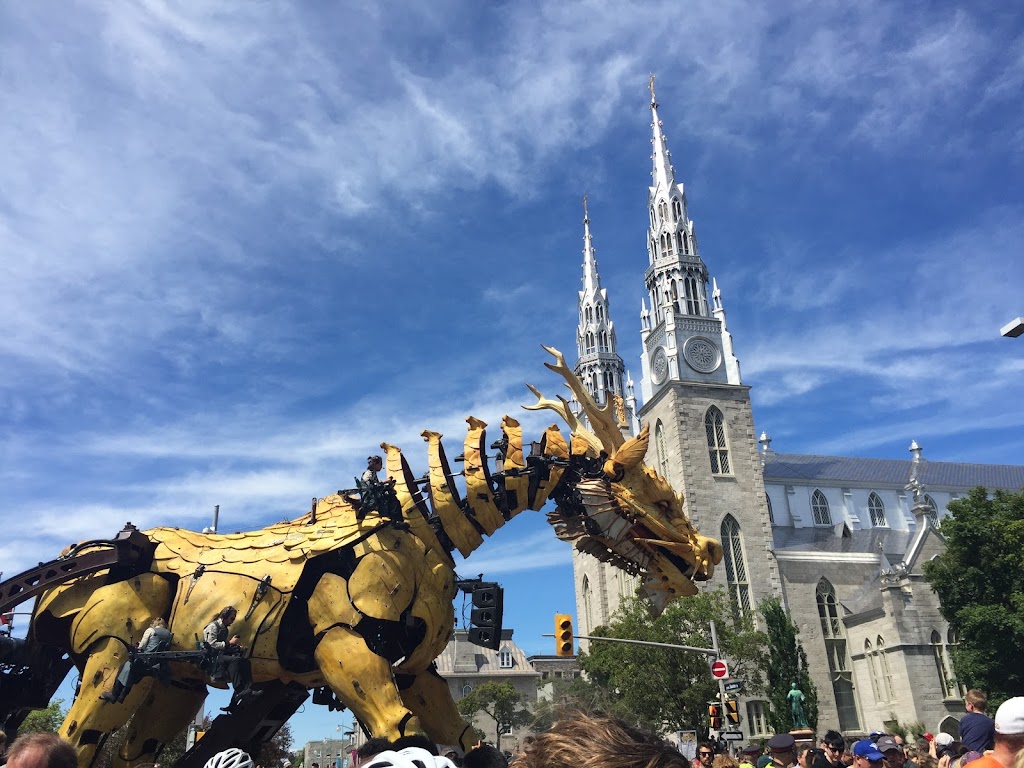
pixel 715 716
pixel 732 711
pixel 564 642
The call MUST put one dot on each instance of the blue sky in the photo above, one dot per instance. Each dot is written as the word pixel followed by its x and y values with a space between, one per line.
pixel 243 243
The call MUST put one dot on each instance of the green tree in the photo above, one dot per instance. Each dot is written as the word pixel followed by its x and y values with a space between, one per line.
pixel 661 688
pixel 578 694
pixel 499 701
pixel 979 580
pixel 787 664
pixel 44 720
pixel 277 750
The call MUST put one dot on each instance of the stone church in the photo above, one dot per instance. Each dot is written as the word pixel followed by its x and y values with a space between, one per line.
pixel 840 540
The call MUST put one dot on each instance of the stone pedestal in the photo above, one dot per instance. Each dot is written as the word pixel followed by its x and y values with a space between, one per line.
pixel 803 736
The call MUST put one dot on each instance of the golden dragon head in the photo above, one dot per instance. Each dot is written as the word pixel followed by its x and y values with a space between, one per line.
pixel 617 508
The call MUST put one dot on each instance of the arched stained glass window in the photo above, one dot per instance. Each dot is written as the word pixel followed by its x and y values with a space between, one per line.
pixel 718 446
pixel 735 567
pixel 659 438
pixel 834 635
pixel 819 509
pixel 877 510
pixel 941 668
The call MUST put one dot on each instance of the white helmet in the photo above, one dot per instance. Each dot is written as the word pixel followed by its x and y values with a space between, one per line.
pixel 410 757
pixel 230 758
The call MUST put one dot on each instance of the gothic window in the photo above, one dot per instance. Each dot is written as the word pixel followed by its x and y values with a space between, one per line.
pixel 692 297
pixel 952 640
pixel 590 342
pixel 673 295
pixel 718 446
pixel 505 659
pixel 819 508
pixel 945 679
pixel 670 242
pixel 653 222
pixel 757 718
pixel 834 634
pixel 877 510
pixel 686 243
pixel 735 567
pixel 586 605
pixel 659 439
pixel 883 659
pixel 771 516
pixel 467 689
pixel 677 208
pixel 600 312
pixel 932 507
pixel 869 655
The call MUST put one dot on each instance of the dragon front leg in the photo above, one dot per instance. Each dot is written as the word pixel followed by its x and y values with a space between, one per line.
pixel 428 696
pixel 364 682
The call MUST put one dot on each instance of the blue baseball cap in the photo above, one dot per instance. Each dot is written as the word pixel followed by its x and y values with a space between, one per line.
pixel 867 749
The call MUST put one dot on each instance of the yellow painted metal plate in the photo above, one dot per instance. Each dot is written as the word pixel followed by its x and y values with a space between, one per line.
pixel 478 487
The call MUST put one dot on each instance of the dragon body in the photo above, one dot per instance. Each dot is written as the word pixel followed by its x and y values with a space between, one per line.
pixel 361 600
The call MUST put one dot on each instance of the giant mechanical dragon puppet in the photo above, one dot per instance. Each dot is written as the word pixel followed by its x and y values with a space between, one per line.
pixel 356 602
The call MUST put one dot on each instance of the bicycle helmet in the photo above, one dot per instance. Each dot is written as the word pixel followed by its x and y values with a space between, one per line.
pixel 230 758
pixel 410 757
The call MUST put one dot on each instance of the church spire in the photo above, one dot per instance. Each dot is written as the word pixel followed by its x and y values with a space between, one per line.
pixel 591 280
pixel 684 335
pixel 599 365
pixel 662 174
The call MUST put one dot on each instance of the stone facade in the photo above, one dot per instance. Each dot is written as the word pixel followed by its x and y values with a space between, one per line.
pixel 840 540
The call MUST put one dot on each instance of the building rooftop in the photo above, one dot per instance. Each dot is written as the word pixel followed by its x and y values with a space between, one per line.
pixel 936 474
pixel 892 543
pixel 461 658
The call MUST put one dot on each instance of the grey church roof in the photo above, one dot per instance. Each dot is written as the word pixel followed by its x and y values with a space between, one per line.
pixel 893 544
pixel 937 474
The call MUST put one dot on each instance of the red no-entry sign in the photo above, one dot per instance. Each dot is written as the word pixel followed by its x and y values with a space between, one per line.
pixel 719 669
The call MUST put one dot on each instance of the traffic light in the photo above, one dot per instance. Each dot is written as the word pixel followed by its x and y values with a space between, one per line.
pixel 732 711
pixel 564 643
pixel 715 716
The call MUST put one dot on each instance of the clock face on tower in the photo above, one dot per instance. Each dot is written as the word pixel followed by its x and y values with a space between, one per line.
pixel 659 366
pixel 701 354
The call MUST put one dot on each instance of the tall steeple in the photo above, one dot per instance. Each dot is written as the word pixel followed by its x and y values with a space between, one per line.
pixel 663 173
pixel 599 365
pixel 683 338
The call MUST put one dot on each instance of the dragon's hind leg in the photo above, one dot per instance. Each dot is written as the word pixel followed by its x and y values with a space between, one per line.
pixel 90 721
pixel 428 696
pixel 162 715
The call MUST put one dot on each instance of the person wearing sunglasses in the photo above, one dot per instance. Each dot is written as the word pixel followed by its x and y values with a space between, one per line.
pixel 705 753
pixel 832 746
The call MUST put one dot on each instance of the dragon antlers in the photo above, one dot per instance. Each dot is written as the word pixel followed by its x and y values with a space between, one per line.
pixel 606 436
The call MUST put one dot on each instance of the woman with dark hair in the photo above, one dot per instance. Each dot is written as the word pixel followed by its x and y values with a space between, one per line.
pixel 230 663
